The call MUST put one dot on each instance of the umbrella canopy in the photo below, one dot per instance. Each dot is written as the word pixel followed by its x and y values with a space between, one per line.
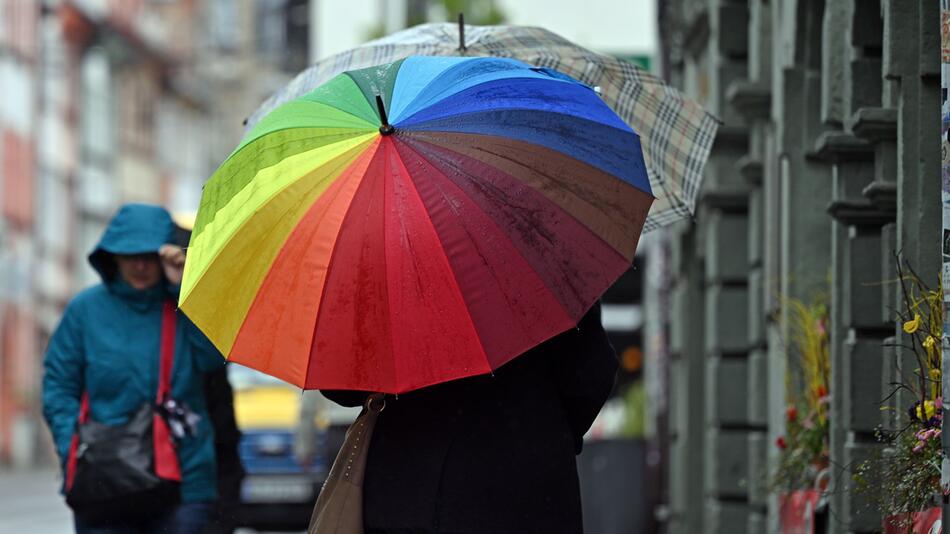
pixel 413 223
pixel 676 132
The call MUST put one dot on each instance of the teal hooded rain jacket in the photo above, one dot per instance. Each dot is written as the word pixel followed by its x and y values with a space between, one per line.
pixel 107 344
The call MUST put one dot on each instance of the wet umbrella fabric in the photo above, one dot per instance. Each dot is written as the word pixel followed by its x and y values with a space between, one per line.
pixel 675 131
pixel 478 208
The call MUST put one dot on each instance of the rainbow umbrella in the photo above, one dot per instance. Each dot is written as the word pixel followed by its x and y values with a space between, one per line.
pixel 413 223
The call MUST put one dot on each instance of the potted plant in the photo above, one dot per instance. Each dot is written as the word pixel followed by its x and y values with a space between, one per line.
pixel 903 478
pixel 801 478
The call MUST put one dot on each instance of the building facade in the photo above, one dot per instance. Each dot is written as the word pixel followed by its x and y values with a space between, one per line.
pixel 824 175
pixel 106 102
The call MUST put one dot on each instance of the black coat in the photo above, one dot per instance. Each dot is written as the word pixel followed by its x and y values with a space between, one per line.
pixel 491 454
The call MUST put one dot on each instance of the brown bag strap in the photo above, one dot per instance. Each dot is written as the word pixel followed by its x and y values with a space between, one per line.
pixel 339 507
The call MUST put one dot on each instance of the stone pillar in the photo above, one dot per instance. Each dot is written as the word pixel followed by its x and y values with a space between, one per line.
pixel 719 245
pixel 826 167
pixel 687 384
pixel 860 155
pixel 751 99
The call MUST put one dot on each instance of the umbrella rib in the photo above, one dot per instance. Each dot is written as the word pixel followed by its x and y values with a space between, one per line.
pixel 441 249
pixel 389 304
pixel 562 184
pixel 237 230
pixel 203 219
pixel 432 100
pixel 416 126
pixel 267 358
pixel 330 269
pixel 309 103
pixel 476 205
pixel 555 205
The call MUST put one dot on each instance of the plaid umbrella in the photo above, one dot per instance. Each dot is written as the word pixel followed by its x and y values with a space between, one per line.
pixel 676 133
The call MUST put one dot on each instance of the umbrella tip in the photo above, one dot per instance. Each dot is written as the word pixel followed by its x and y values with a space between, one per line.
pixel 461 32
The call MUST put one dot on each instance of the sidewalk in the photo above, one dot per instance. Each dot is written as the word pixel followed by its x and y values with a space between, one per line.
pixel 30 502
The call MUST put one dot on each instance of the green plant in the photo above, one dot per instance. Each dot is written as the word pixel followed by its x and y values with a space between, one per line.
pixel 803 452
pixel 804 447
pixel 904 475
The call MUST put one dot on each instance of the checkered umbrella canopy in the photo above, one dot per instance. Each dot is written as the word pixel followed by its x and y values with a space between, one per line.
pixel 676 133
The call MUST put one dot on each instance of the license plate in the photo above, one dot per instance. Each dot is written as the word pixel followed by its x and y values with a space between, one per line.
pixel 276 489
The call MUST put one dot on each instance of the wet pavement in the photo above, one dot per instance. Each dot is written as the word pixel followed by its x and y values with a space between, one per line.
pixel 30 502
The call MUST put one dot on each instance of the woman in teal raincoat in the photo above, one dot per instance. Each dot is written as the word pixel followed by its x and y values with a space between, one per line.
pixel 107 345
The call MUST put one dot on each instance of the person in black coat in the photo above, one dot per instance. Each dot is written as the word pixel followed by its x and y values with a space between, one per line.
pixel 494 453
pixel 227 437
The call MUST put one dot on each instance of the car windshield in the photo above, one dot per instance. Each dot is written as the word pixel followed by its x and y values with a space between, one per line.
pixel 244 377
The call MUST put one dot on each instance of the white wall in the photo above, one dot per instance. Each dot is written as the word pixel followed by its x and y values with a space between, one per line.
pixel 610 26
pixel 344 24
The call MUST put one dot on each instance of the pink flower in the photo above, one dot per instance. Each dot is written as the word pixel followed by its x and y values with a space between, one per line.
pixel 919 447
pixel 938 403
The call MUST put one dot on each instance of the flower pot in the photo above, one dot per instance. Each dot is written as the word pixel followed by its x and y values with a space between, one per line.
pixel 925 522
pixel 797 515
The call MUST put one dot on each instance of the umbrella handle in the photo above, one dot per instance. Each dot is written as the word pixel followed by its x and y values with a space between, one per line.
pixel 385 128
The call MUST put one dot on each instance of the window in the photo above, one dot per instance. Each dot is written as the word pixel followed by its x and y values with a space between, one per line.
pixel 282 33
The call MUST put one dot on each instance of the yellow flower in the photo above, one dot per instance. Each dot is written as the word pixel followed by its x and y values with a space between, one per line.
pixel 911 326
pixel 929 343
pixel 928 410
pixel 935 374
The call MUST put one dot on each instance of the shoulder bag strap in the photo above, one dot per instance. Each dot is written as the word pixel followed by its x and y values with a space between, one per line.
pixel 74 444
pixel 166 460
pixel 339 506
pixel 169 319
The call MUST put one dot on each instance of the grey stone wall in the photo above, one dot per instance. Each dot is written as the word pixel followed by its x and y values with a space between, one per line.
pixel 823 171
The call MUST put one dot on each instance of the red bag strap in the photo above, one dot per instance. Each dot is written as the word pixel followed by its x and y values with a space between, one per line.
pixel 166 460
pixel 167 353
pixel 169 319
pixel 74 443
pixel 84 408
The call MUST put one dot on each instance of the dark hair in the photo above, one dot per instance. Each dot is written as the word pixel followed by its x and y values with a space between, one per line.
pixel 105 263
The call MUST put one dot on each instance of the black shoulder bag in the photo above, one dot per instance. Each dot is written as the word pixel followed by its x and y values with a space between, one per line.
pixel 122 473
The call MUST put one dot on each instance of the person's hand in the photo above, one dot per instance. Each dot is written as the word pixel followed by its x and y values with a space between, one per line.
pixel 173 262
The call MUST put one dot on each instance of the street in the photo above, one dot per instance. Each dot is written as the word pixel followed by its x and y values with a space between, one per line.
pixel 30 502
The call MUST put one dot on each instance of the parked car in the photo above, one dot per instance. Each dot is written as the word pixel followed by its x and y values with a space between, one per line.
pixel 278 491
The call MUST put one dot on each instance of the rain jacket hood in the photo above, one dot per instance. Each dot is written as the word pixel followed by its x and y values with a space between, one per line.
pixel 135 229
